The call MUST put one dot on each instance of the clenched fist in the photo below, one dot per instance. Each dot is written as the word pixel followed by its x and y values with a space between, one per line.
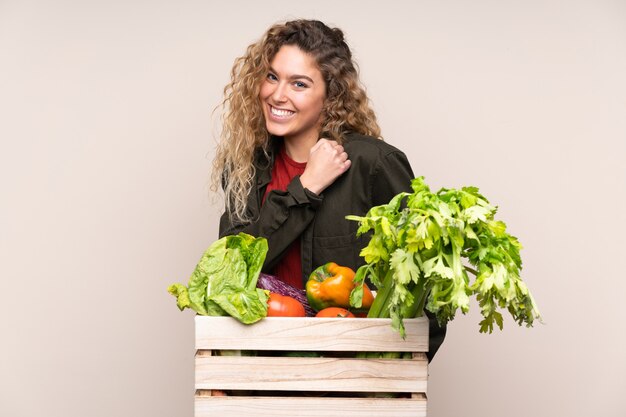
pixel 327 161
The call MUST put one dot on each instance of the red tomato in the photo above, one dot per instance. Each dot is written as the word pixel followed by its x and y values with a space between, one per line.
pixel 284 306
pixel 334 312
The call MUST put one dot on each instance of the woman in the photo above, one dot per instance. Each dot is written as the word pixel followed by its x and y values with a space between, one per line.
pixel 300 149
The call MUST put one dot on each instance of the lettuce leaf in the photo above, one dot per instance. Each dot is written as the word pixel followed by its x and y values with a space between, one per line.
pixel 224 280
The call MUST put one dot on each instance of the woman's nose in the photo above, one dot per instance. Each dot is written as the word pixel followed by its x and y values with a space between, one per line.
pixel 279 92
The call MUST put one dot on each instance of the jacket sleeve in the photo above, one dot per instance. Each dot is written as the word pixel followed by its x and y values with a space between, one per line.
pixel 282 218
pixel 392 176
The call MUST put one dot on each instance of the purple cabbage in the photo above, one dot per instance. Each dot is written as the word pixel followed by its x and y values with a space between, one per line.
pixel 274 284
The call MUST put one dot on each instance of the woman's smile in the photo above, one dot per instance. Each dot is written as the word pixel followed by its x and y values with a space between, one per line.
pixel 280 114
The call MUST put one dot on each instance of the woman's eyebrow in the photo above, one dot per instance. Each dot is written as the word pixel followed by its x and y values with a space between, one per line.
pixel 295 76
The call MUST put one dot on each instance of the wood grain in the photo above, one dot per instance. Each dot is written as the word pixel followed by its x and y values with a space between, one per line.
pixel 329 386
pixel 311 374
pixel 311 334
pixel 309 407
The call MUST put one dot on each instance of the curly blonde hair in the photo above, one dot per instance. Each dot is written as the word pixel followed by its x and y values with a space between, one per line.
pixel 346 106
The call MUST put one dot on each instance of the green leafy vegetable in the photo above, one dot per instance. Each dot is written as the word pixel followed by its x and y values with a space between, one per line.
pixel 224 281
pixel 417 251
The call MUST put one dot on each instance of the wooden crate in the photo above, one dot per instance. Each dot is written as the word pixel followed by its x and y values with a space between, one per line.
pixel 334 385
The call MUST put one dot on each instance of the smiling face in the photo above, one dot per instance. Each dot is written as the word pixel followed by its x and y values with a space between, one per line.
pixel 292 96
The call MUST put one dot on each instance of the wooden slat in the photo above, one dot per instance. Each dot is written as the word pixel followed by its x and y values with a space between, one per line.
pixel 309 407
pixel 311 374
pixel 311 334
pixel 204 354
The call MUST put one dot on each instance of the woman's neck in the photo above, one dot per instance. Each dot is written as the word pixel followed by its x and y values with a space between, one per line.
pixel 298 148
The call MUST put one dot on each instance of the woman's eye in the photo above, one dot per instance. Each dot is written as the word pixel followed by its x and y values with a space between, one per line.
pixel 272 77
pixel 300 84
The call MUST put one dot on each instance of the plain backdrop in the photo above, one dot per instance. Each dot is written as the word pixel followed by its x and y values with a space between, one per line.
pixel 106 144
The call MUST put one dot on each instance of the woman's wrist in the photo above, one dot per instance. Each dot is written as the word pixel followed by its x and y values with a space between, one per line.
pixel 310 185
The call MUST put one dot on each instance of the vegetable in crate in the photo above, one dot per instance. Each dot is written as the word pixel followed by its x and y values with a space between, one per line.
pixel 334 312
pixel 274 284
pixel 416 253
pixel 224 281
pixel 330 285
pixel 284 306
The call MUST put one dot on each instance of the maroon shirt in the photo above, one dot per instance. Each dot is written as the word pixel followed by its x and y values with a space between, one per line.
pixel 289 267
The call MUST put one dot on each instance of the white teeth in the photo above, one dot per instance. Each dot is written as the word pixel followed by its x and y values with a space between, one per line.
pixel 280 112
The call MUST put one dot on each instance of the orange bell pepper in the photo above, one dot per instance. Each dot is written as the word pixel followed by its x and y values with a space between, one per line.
pixel 330 285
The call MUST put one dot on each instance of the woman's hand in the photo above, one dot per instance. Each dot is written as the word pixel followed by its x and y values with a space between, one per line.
pixel 327 161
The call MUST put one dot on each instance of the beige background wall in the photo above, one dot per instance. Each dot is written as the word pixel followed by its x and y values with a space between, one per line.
pixel 106 143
